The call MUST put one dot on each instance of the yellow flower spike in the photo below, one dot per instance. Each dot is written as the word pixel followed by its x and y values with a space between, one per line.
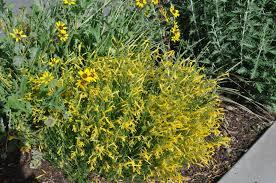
pixel 176 32
pixel 60 26
pixel 175 26
pixel 69 2
pixel 155 2
pixel 141 3
pixel 176 37
pixel 18 35
pixel 174 11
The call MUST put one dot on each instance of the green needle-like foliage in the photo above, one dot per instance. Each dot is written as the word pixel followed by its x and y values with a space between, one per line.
pixel 236 37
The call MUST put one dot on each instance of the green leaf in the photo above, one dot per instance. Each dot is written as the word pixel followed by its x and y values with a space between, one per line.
pixel 23 86
pixel 259 87
pixel 18 61
pixel 13 102
pixel 34 52
pixel 242 70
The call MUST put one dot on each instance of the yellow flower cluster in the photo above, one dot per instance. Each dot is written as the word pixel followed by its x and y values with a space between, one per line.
pixel 169 16
pixel 175 29
pixel 86 76
pixel 142 3
pixel 62 31
pixel 174 11
pixel 44 79
pixel 18 35
pixel 69 2
pixel 175 32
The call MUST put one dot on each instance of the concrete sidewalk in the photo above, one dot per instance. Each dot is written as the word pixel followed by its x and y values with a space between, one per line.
pixel 19 3
pixel 258 165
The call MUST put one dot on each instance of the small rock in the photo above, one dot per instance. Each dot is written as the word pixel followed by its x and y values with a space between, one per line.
pixel 229 108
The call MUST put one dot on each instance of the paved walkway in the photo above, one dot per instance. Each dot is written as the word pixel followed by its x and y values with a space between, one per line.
pixel 19 3
pixel 258 165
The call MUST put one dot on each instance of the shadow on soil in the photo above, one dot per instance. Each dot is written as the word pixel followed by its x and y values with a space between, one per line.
pixel 11 165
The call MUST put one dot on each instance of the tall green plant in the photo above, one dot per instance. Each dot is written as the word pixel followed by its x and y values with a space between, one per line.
pixel 237 37
pixel 93 26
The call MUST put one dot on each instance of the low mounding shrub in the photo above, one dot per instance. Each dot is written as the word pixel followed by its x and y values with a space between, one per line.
pixel 235 36
pixel 122 117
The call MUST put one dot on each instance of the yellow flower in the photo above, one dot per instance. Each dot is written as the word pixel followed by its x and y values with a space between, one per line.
pixel 88 75
pixel 155 2
pixel 176 37
pixel 82 84
pixel 46 78
pixel 63 35
pixel 175 27
pixel 141 3
pixel 176 32
pixel 17 35
pixel 60 26
pixel 54 61
pixel 69 2
pixel 174 12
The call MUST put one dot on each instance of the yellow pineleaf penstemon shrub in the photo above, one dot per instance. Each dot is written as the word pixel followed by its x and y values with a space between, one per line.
pixel 128 118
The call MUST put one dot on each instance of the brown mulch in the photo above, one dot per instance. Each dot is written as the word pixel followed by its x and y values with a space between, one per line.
pixel 243 128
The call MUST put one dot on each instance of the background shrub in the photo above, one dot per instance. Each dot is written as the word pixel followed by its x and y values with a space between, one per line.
pixel 92 26
pixel 236 37
pixel 121 116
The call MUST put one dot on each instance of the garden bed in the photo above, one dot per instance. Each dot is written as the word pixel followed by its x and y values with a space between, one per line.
pixel 109 87
pixel 243 127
